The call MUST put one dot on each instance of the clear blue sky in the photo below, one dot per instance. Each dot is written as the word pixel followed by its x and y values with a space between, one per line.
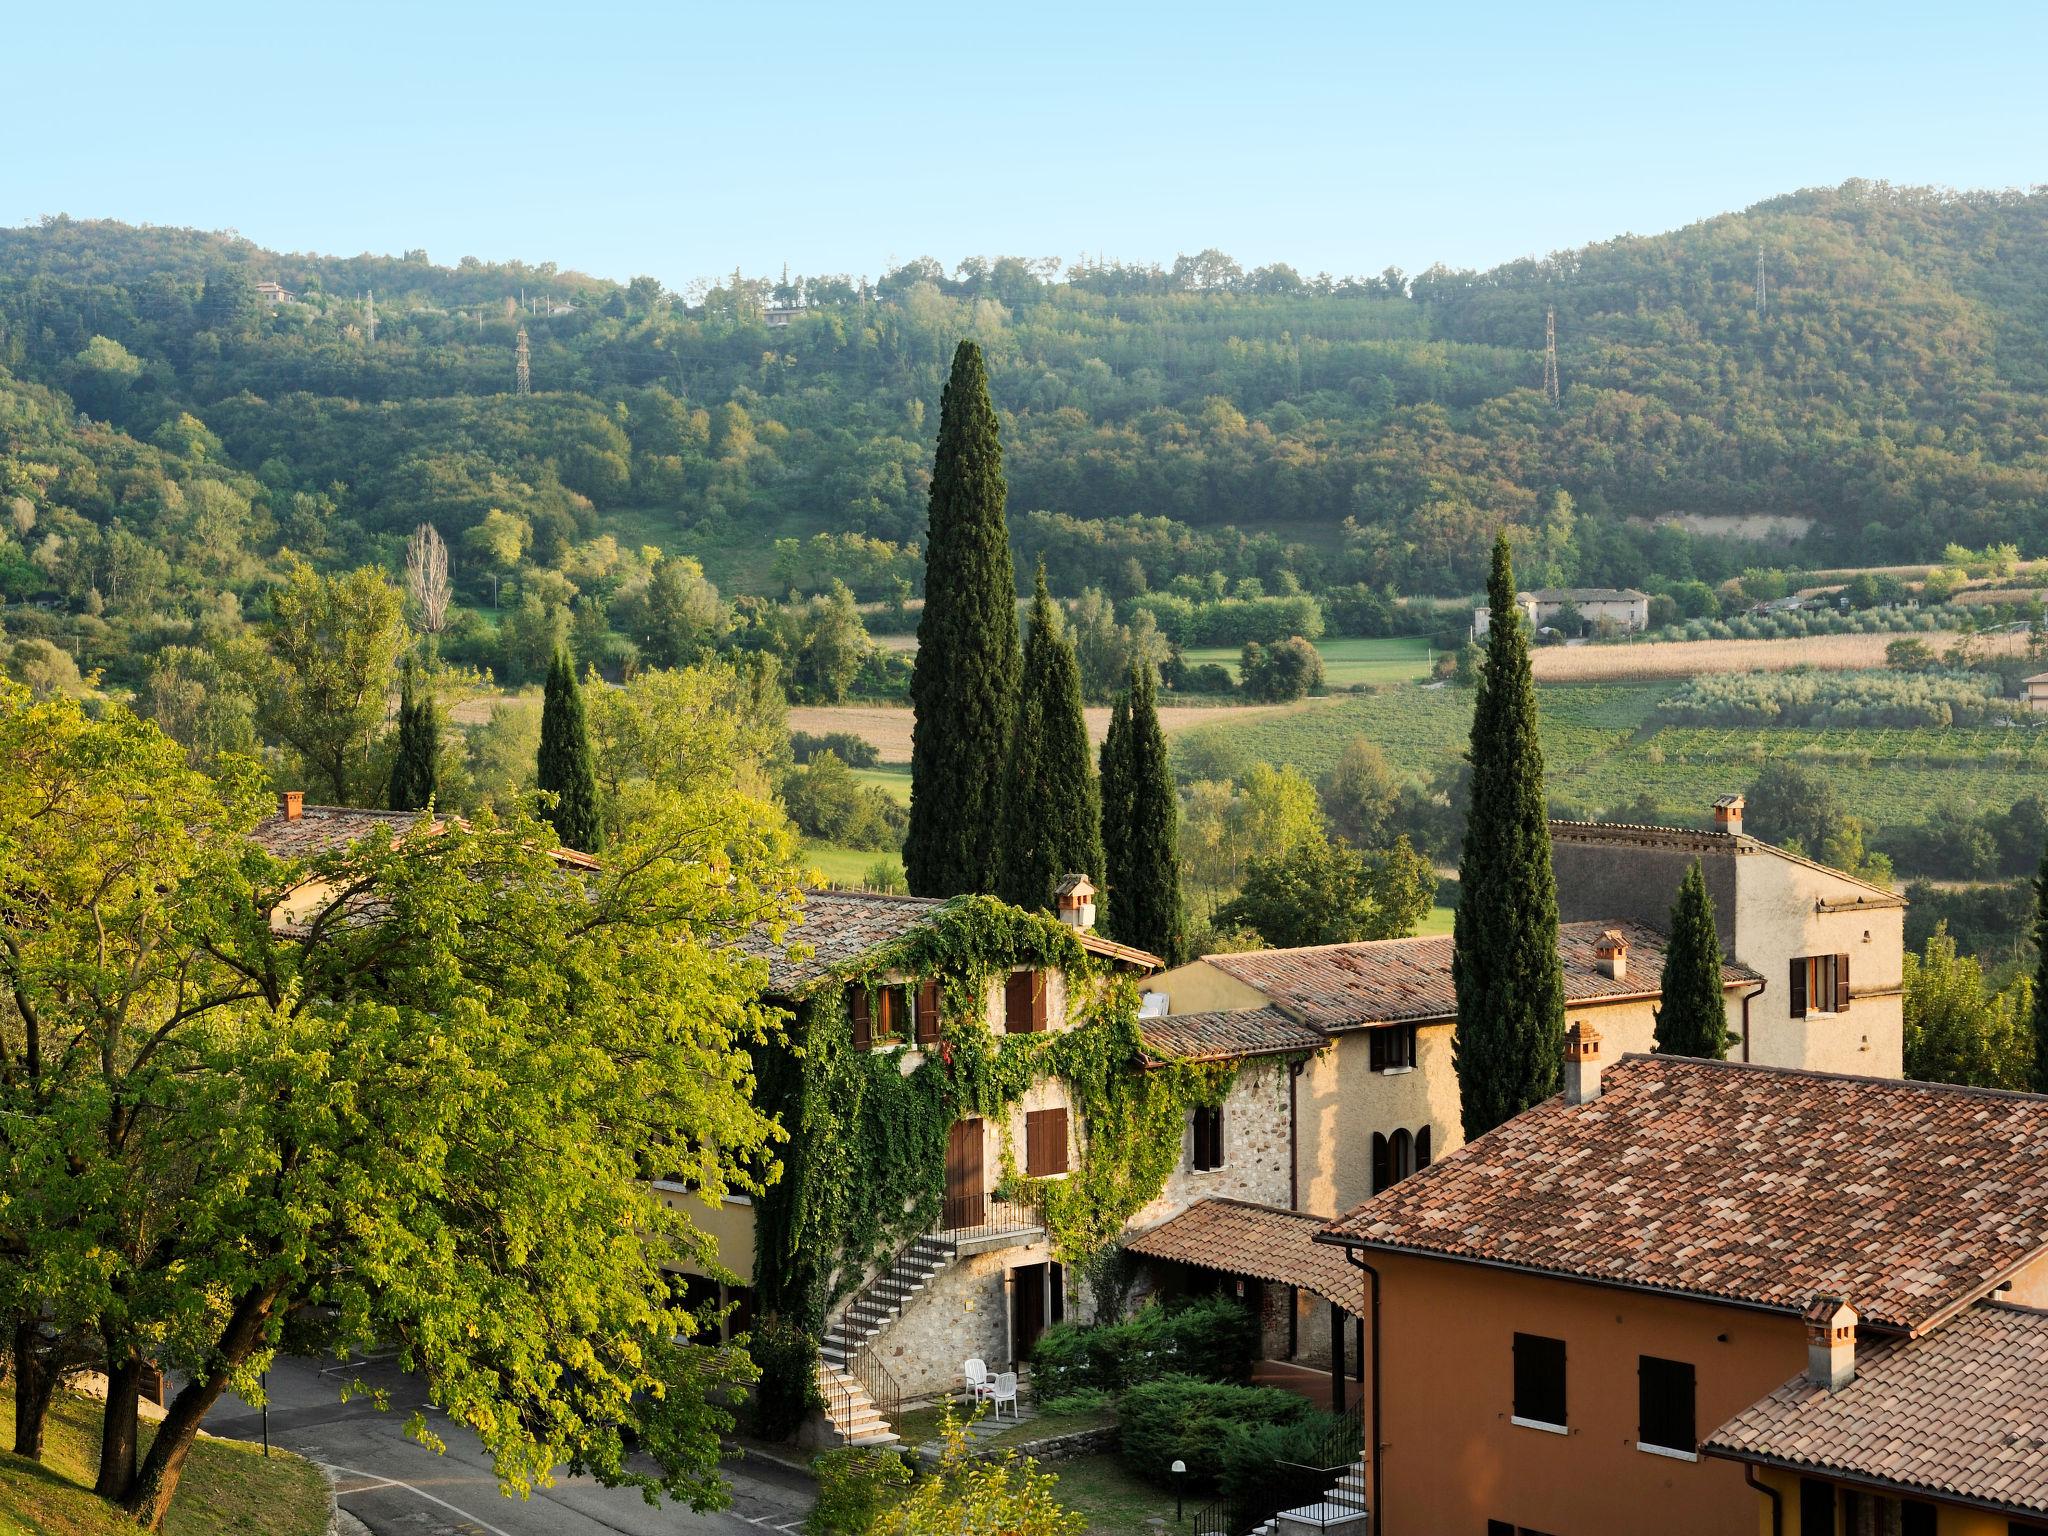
pixel 681 140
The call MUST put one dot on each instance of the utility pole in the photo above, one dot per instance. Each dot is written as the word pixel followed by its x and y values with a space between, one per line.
pixel 1762 283
pixel 1550 353
pixel 523 367
pixel 370 316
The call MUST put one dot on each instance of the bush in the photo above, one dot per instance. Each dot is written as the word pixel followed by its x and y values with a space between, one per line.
pixel 1250 1451
pixel 1281 673
pixel 1177 1418
pixel 783 1398
pixel 1230 620
pixel 856 1484
pixel 1072 1404
pixel 1209 677
pixel 1214 1338
pixel 854 751
pixel 826 801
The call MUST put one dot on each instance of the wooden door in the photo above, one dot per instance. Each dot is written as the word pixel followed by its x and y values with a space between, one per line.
pixel 964 1206
pixel 1028 1306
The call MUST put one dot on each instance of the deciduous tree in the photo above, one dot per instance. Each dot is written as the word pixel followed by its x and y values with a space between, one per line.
pixel 333 644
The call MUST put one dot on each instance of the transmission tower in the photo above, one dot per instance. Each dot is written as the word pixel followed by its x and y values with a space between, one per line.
pixel 1550 354
pixel 1762 283
pixel 523 366
pixel 370 316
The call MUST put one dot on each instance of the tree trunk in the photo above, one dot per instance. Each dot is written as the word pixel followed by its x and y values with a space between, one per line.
pixel 35 1379
pixel 118 1425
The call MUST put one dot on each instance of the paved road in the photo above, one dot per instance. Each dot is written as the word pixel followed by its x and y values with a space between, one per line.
pixel 398 1488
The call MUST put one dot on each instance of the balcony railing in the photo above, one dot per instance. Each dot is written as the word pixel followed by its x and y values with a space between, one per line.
pixel 974 1217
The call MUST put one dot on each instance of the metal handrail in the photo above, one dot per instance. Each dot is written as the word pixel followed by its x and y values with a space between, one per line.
pixel 999 1215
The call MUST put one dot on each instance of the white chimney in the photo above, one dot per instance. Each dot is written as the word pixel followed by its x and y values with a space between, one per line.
pixel 1610 954
pixel 1728 815
pixel 1830 1343
pixel 1581 1063
pixel 1074 900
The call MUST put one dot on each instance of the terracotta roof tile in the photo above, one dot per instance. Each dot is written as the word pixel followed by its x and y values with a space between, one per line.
pixel 1227 1036
pixel 321 829
pixel 1761 1185
pixel 1350 986
pixel 1264 1242
pixel 1961 1414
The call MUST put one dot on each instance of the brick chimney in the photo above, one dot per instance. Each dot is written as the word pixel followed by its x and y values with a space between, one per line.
pixel 1581 1063
pixel 1728 814
pixel 1074 900
pixel 291 804
pixel 1610 954
pixel 1830 1343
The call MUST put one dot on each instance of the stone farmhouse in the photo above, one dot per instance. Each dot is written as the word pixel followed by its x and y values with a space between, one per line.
pixel 1619 609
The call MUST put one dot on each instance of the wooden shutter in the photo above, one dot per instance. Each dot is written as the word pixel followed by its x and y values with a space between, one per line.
pixel 1380 1180
pixel 1045 1142
pixel 927 1024
pixel 1841 983
pixel 1422 1148
pixel 1798 994
pixel 1038 991
pixel 858 1009
pixel 1017 1002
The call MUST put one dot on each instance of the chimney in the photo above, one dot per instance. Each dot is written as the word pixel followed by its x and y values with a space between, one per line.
pixel 291 804
pixel 1830 1343
pixel 1074 900
pixel 1610 953
pixel 1728 815
pixel 1581 1063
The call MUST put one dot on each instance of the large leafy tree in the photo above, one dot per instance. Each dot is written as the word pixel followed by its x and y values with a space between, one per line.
pixel 1509 1042
pixel 1692 1019
pixel 1323 892
pixel 563 769
pixel 964 685
pixel 415 766
pixel 1052 814
pixel 1143 862
pixel 1957 1030
pixel 333 646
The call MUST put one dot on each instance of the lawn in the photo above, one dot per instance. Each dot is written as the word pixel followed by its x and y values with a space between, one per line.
pixel 1348 662
pixel 1438 921
pixel 229 1488
pixel 849 866
pixel 893 779
pixel 1114 1502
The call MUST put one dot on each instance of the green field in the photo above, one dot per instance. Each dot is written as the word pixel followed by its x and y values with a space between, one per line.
pixel 1348 662
pixel 892 779
pixel 848 866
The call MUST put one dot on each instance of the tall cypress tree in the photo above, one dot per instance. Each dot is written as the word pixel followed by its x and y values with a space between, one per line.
pixel 1509 1043
pixel 1052 819
pixel 564 767
pixel 1691 1019
pixel 1144 897
pixel 1115 796
pixel 414 772
pixel 963 687
pixel 2039 1081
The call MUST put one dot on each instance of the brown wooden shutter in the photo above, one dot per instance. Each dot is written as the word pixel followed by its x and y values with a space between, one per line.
pixel 1045 1142
pixel 857 1011
pixel 1017 1002
pixel 1422 1148
pixel 1380 1179
pixel 1798 995
pixel 1056 1140
pixel 927 1012
pixel 1038 990
pixel 1841 983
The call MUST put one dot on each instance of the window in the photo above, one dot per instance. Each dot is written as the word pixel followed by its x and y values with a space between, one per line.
pixel 1207 1151
pixel 1916 1519
pixel 883 1015
pixel 1816 1507
pixel 1392 1048
pixel 1539 1382
pixel 1500 1528
pixel 1396 1156
pixel 1872 1514
pixel 1820 984
pixel 1664 1396
pixel 1024 1002
pixel 1045 1142
pixel 925 1015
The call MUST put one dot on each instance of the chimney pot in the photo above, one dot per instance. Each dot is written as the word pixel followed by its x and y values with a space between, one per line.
pixel 1074 901
pixel 1610 952
pixel 291 804
pixel 1830 1343
pixel 1581 1063
pixel 1728 814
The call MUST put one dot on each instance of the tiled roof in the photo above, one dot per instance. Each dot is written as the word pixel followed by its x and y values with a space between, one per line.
pixel 1759 1185
pixel 1587 595
pixel 839 926
pixel 1263 1242
pixel 319 829
pixel 1227 1036
pixel 1392 981
pixel 1694 840
pixel 1960 1414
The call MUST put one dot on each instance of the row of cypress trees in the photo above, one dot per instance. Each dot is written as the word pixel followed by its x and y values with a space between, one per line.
pixel 1003 796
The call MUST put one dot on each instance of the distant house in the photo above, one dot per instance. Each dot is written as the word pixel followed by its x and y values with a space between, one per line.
pixel 272 293
pixel 1623 607
pixel 2035 691
pixel 779 315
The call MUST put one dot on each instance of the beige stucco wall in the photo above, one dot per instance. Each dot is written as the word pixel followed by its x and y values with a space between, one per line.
pixel 1341 1101
pixel 1254 1149
pixel 730 1223
pixel 1776 919
pixel 1199 987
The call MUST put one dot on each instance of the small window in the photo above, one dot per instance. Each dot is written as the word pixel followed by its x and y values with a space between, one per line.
pixel 1401 1155
pixel 1820 984
pixel 892 1014
pixel 1816 1507
pixel 1392 1048
pixel 1500 1528
pixel 925 1013
pixel 1045 1142
pixel 1206 1153
pixel 1024 1002
pixel 1664 1395
pixel 1539 1381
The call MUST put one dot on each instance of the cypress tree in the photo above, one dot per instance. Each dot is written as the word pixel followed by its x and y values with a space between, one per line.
pixel 414 772
pixel 1691 1019
pixel 1115 795
pixel 1144 871
pixel 963 687
pixel 564 767
pixel 1052 819
pixel 2039 1080
pixel 1509 1043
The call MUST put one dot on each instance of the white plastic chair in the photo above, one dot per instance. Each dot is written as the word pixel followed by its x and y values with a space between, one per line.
pixel 1003 1390
pixel 978 1383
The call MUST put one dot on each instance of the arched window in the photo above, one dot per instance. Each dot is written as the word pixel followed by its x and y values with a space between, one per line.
pixel 1422 1147
pixel 1382 1172
pixel 1401 1155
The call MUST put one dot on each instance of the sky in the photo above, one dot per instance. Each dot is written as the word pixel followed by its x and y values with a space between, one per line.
pixel 683 140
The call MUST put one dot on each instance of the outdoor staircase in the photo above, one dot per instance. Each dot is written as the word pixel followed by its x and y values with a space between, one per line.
pixel 1342 1509
pixel 850 1410
pixel 850 1407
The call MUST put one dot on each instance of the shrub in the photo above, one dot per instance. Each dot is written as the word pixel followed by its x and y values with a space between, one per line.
pixel 1177 1418
pixel 1209 677
pixel 854 751
pixel 1250 1451
pixel 855 1485
pixel 1213 1338
pixel 1082 1400
pixel 787 1358
pixel 826 801
pixel 1281 673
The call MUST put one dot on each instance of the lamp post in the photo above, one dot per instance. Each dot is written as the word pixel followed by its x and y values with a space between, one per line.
pixel 1180 1473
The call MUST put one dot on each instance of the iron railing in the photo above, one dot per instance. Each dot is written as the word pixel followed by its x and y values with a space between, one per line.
pixel 988 1216
pixel 1324 1472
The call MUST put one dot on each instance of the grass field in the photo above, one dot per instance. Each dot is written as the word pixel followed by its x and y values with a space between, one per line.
pixel 229 1487
pixel 1346 662
pixel 1641 661
pixel 893 779
pixel 887 726
pixel 849 866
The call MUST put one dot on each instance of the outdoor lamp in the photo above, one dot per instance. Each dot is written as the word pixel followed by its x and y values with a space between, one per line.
pixel 1180 1472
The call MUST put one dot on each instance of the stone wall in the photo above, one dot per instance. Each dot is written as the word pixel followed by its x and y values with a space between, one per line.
pixel 1255 1149
pixel 964 1312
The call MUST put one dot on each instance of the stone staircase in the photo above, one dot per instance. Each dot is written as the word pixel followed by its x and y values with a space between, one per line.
pixel 850 1408
pixel 1342 1510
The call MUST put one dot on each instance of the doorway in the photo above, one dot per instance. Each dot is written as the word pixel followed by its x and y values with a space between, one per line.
pixel 1038 1299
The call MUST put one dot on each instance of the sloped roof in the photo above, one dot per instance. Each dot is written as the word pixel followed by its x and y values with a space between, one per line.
pixel 319 829
pixel 1960 1414
pixel 1227 1036
pixel 1588 595
pixel 1264 1242
pixel 1399 981
pixel 1759 1185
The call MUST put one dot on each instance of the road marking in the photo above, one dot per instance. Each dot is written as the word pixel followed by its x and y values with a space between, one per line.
pixel 392 1482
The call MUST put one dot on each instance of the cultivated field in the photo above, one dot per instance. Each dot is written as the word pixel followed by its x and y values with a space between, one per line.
pixel 887 726
pixel 1346 662
pixel 1647 661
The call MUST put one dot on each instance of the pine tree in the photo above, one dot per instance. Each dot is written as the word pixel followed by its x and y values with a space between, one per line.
pixel 1691 1019
pixel 963 688
pixel 1509 1043
pixel 564 767
pixel 414 771
pixel 1145 907
pixel 1052 818
pixel 1114 787
pixel 2039 1082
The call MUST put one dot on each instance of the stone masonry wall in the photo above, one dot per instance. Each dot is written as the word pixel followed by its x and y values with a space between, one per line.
pixel 1255 1125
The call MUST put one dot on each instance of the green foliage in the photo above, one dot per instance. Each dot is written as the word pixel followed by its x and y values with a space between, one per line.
pixel 1052 812
pixel 1281 672
pixel 964 687
pixel 853 750
pixel 415 765
pixel 333 644
pixel 1360 794
pixel 974 1496
pixel 787 1358
pixel 1959 1031
pixel 2037 1019
pixel 857 1485
pixel 1140 829
pixel 563 768
pixel 1214 1338
pixel 827 801
pixel 1178 1418
pixel 1321 892
pixel 1692 1020
pixel 1839 699
pixel 1510 982
pixel 1251 1451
